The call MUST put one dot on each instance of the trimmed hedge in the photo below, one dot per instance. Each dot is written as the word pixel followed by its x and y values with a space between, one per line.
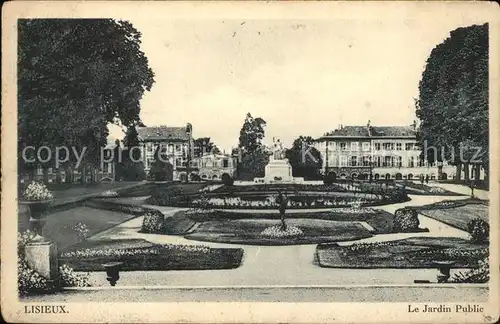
pixel 405 220
pixel 153 222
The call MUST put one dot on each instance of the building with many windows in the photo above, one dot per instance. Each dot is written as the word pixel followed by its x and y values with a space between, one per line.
pixel 386 152
pixel 178 144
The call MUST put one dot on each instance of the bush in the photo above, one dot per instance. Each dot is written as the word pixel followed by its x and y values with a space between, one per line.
pixel 405 220
pixel 227 179
pixel 329 178
pixel 479 230
pixel 153 222
pixel 478 275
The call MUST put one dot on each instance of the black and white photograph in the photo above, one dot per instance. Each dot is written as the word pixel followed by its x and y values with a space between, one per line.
pixel 219 156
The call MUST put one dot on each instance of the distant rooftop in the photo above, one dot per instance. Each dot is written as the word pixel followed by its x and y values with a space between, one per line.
pixel 372 131
pixel 162 133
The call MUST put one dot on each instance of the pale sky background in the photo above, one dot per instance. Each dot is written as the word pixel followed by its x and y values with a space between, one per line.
pixel 304 77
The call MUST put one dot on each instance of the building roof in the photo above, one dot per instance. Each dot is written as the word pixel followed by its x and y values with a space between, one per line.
pixel 162 133
pixel 372 131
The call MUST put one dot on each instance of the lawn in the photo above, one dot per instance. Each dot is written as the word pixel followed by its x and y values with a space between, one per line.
pixel 459 216
pixel 140 255
pixel 247 231
pixel 407 253
pixel 59 226
pixel 381 221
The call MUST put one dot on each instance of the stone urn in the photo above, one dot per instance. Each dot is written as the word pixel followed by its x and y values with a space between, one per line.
pixel 37 209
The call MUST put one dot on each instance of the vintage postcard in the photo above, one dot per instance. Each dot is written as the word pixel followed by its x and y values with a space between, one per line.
pixel 250 162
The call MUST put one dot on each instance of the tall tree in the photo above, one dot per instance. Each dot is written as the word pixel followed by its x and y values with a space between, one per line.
pixel 453 98
pixel 251 134
pixel 305 160
pixel 74 77
pixel 252 153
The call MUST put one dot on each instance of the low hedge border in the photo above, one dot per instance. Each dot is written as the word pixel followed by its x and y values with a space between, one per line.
pixel 215 259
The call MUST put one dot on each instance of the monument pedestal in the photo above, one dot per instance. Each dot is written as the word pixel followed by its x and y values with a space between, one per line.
pixel 278 171
pixel 41 256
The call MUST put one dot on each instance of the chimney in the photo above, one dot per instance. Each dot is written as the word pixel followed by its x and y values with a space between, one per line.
pixel 369 128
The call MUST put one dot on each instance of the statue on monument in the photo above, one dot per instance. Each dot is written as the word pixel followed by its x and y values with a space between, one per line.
pixel 278 151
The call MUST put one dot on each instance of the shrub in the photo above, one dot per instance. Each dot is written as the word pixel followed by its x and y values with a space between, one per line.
pixel 405 220
pixel 329 178
pixel 227 179
pixel 479 230
pixel 68 277
pixel 478 275
pixel 153 222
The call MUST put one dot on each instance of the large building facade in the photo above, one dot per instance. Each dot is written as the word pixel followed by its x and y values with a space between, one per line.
pixel 178 145
pixel 385 152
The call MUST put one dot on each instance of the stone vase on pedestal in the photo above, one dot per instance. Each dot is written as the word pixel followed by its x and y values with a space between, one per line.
pixel 37 216
pixel 40 253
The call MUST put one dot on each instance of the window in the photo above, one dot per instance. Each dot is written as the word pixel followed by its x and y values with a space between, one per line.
pixel 343 160
pixel 409 146
pixel 398 146
pixel 354 160
pixel 377 146
pixel 378 161
pixel 354 146
pixel 225 163
pixel 387 161
pixel 411 162
pixel 170 148
pixel 366 146
pixel 178 148
pixel 366 161
pixel 343 146
pixel 331 145
pixel 400 161
pixel 388 146
pixel 178 162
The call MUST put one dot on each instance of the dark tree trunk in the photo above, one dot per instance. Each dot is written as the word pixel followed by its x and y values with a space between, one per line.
pixel 466 172
pixel 459 171
pixel 46 175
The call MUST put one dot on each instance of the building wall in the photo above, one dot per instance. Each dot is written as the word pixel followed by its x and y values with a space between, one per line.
pixel 397 157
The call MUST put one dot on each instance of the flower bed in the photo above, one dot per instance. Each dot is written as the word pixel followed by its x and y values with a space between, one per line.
pixel 414 188
pixel 276 231
pixel 156 257
pixel 380 220
pixel 408 253
pixel 249 231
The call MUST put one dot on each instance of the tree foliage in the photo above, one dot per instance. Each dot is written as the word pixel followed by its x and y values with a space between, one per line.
pixel 252 153
pixel 251 134
pixel 204 145
pixel 305 160
pixel 74 77
pixel 453 96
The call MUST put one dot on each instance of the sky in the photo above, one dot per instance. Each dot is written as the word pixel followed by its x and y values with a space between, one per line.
pixel 303 77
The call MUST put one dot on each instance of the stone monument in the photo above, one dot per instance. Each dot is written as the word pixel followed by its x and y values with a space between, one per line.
pixel 278 170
